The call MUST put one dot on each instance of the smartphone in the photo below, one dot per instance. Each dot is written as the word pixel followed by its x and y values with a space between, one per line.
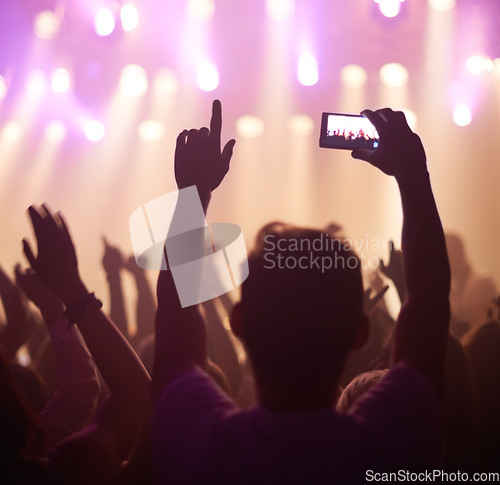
pixel 347 131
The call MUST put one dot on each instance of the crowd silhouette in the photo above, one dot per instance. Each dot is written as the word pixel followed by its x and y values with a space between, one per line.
pixel 314 382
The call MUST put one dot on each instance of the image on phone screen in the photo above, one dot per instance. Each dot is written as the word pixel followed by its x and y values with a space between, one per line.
pixel 348 132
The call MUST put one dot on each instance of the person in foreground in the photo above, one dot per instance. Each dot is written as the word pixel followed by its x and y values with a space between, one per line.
pixel 298 326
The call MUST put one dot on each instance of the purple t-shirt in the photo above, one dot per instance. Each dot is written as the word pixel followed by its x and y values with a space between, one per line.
pixel 200 436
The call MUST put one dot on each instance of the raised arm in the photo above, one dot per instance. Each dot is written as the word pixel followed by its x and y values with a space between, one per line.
pixel 422 325
pixel 181 342
pixel 97 451
pixel 112 262
pixel 75 399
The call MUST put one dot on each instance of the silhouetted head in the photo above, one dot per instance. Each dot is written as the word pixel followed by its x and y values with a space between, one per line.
pixel 359 385
pixel 301 310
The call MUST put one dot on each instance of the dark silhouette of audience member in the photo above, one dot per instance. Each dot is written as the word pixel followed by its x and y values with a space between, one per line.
pixel 472 293
pixel 298 326
pixel 482 345
pixel 94 454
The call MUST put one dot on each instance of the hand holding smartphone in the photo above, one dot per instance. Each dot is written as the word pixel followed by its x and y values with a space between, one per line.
pixel 347 132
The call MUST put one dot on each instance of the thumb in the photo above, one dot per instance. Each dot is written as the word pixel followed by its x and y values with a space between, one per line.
pixel 227 151
pixel 362 154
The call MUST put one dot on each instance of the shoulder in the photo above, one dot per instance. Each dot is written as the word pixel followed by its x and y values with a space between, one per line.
pixel 402 418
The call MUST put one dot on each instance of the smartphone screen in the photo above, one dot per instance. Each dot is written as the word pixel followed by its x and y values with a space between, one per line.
pixel 346 131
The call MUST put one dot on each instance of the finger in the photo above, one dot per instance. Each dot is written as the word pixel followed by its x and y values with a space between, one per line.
pixel 362 154
pixel 391 246
pixel 382 265
pixel 375 118
pixel 204 132
pixel 29 253
pixel 105 241
pixel 227 152
pixel 49 218
pixel 64 228
pixel 216 123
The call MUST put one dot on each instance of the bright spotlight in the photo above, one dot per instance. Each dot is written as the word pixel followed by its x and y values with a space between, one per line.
pixel 60 80
pixel 150 130
pixel 462 115
pixel 94 130
pixel 37 83
pixel 208 76
pixel 104 22
pixel 46 24
pixel 389 8
pixel 476 64
pixel 307 70
pixel 249 126
pixel 201 10
pixel 442 5
pixel 280 9
pixel 165 83
pixel 3 88
pixel 56 131
pixel 496 67
pixel 393 75
pixel 300 125
pixel 129 17
pixel 353 76
pixel 12 131
pixel 133 80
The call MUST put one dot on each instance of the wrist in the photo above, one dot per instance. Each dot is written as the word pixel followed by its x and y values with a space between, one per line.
pixel 74 293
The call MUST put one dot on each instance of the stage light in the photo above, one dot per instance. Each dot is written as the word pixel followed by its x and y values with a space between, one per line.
pixel 150 130
pixel 300 125
pixel 133 80
pixel 353 76
pixel 3 88
pixel 249 126
pixel 442 5
pixel 104 22
pixel 208 76
pixel 94 130
pixel 12 132
pixel 56 131
pixel 496 67
pixel 462 115
pixel 37 83
pixel 165 83
pixel 129 17
pixel 60 80
pixel 478 64
pixel 201 10
pixel 46 24
pixel 389 8
pixel 307 70
pixel 280 9
pixel 394 75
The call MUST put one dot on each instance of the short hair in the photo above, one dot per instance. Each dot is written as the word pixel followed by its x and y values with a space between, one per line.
pixel 358 386
pixel 300 305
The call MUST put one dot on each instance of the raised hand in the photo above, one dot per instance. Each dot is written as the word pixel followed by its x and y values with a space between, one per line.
pixel 112 261
pixel 40 294
pixel 56 263
pixel 394 270
pixel 400 151
pixel 198 157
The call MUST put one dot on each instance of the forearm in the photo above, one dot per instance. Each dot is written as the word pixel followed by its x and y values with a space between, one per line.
pixel 146 308
pixel 422 327
pixel 75 400
pixel 425 260
pixel 180 339
pixel 116 360
pixel 117 303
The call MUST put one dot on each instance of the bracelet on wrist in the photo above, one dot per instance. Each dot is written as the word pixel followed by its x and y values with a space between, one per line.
pixel 76 311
